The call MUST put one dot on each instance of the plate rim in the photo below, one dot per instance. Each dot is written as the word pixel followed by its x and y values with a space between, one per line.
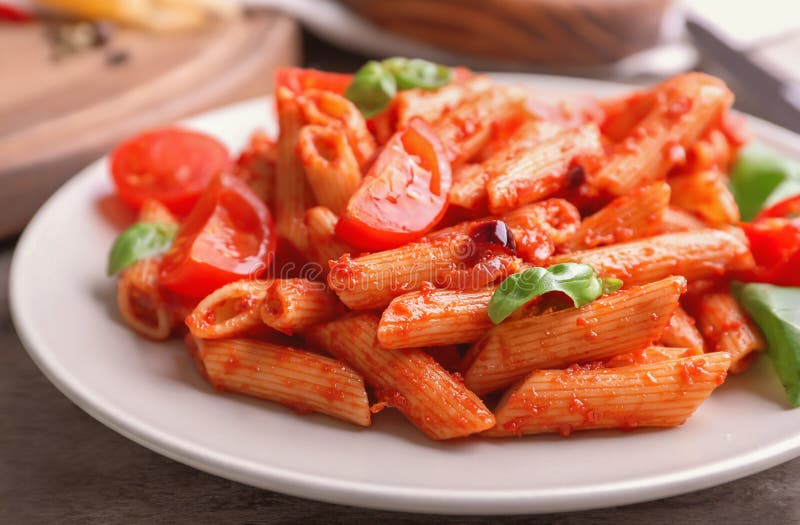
pixel 365 494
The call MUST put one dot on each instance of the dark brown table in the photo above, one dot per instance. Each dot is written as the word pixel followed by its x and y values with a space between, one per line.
pixel 58 465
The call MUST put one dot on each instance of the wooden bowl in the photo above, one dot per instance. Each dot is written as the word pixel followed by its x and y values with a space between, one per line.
pixel 545 32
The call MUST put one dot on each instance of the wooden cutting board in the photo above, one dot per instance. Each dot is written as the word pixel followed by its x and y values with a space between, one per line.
pixel 57 116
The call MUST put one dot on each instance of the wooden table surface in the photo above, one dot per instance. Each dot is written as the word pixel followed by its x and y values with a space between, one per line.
pixel 57 464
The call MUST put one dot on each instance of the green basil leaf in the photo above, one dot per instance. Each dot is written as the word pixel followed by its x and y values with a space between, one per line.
pixel 417 73
pixel 141 240
pixel 577 280
pixel 757 175
pixel 776 310
pixel 372 89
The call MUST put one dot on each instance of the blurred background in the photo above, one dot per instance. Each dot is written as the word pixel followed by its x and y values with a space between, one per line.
pixel 79 75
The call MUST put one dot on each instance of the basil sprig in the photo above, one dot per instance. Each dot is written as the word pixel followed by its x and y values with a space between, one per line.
pixel 141 240
pixel 577 280
pixel 376 83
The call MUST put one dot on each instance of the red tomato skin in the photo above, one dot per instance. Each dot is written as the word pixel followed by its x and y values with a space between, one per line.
pixel 775 244
pixel 404 194
pixel 785 209
pixel 171 165
pixel 228 236
pixel 299 79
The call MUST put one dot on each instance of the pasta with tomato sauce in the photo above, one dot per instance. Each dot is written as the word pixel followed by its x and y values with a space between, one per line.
pixel 435 213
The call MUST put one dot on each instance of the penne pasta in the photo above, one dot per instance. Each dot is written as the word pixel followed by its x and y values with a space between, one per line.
pixel 727 328
pixel 292 194
pixel 682 331
pixel 541 170
pixel 294 305
pixel 631 216
pixel 706 194
pixel 329 109
pixel 675 220
pixel 409 380
pixel 256 166
pixel 469 187
pixel 695 255
pixel 432 105
pixel 614 324
pixel 623 114
pixel 323 246
pixel 651 354
pixel 685 106
pixel 537 228
pixel 141 302
pixel 301 380
pixel 229 311
pixel 435 317
pixel 662 394
pixel 467 127
pixel 330 165
pixel 450 260
pixel 713 151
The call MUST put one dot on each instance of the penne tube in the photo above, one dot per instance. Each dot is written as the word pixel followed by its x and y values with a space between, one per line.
pixel 330 165
pixel 727 328
pixel 154 211
pixel 662 394
pixel 328 109
pixel 140 301
pixel 409 380
pixel 301 380
pixel 469 187
pixel 432 317
pixel 541 170
pixel 631 216
pixel 451 260
pixel 685 106
pixel 537 228
pixel 468 127
pixel 651 354
pixel 292 194
pixel 294 305
pixel 695 255
pixel 229 311
pixel 256 166
pixel 624 321
pixel 675 220
pixel 623 114
pixel 713 151
pixel 324 247
pixel 432 105
pixel 706 194
pixel 682 331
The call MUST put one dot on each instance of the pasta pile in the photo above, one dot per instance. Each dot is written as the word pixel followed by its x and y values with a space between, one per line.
pixel 635 187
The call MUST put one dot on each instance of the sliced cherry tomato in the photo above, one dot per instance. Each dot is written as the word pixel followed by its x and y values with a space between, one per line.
pixel 228 236
pixel 786 209
pixel 298 79
pixel 170 165
pixel 775 244
pixel 404 194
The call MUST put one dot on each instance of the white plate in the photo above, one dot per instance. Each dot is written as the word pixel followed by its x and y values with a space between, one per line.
pixel 64 312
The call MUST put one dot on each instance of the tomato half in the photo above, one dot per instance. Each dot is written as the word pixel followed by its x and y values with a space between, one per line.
pixel 775 244
pixel 170 165
pixel 403 195
pixel 228 236
pixel 299 79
